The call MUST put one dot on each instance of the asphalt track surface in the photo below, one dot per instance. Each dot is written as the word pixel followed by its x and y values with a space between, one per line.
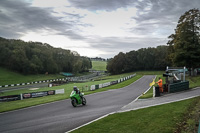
pixel 164 99
pixel 39 85
pixel 61 116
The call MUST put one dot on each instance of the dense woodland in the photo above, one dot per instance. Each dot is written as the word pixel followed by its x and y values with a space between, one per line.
pixel 183 49
pixel 142 59
pixel 39 58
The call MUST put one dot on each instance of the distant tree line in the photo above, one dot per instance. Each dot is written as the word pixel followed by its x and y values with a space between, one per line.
pixel 183 49
pixel 39 58
pixel 142 59
pixel 98 59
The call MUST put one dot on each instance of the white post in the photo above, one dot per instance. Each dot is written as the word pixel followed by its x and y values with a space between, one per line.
pixel 154 91
pixel 184 74
pixel 21 96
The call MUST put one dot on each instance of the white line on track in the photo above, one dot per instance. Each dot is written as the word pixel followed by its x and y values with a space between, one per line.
pixel 132 109
pixel 158 104
pixel 103 115
pixel 128 111
pixel 90 122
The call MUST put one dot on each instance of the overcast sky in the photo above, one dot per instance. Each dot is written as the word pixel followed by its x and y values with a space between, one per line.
pixel 93 28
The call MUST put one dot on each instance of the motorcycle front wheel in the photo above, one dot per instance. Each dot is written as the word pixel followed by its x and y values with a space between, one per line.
pixel 83 101
pixel 74 103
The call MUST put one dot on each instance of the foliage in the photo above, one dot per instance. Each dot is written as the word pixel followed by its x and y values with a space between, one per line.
pixel 142 59
pixel 39 58
pixel 194 81
pixel 116 65
pixel 184 45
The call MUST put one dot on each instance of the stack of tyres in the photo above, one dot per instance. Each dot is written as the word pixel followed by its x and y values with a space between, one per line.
pixel 157 91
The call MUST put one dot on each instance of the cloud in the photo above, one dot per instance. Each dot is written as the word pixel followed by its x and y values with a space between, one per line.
pixel 104 26
pixel 114 45
pixel 160 17
pixel 19 18
pixel 108 5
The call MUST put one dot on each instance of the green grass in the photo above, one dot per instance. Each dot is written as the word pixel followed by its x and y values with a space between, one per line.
pixel 149 93
pixel 13 105
pixel 9 77
pixel 119 85
pixel 158 119
pixel 194 81
pixel 150 72
pixel 99 65
pixel 190 122
pixel 7 106
pixel 70 85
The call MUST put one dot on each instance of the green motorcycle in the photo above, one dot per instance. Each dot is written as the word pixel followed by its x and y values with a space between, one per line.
pixel 77 99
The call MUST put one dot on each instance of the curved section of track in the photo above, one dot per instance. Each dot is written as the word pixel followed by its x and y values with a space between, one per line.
pixel 60 116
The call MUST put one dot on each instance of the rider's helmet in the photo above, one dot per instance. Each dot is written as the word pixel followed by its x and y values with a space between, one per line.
pixel 75 88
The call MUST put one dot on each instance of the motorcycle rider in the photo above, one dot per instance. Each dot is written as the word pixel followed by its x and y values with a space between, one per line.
pixel 77 91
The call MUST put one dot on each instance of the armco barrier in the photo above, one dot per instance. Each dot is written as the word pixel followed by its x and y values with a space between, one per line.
pixel 30 95
pixel 60 91
pixel 106 84
pixel 38 94
pixel 114 82
pixel 35 82
pixel 80 78
pixel 10 98
pixel 94 87
pixel 100 85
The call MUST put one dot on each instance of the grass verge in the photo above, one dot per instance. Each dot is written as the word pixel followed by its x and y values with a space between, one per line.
pixel 158 119
pixel 9 77
pixel 194 81
pixel 13 105
pixel 190 122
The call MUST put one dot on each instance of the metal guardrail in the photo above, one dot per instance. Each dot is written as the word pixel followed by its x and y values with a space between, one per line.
pixel 79 78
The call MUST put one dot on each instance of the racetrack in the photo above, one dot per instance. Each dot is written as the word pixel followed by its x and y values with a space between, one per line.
pixel 39 85
pixel 61 116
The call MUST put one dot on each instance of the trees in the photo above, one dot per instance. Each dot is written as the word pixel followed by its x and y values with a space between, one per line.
pixel 116 65
pixel 184 45
pixel 39 58
pixel 86 64
pixel 142 59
